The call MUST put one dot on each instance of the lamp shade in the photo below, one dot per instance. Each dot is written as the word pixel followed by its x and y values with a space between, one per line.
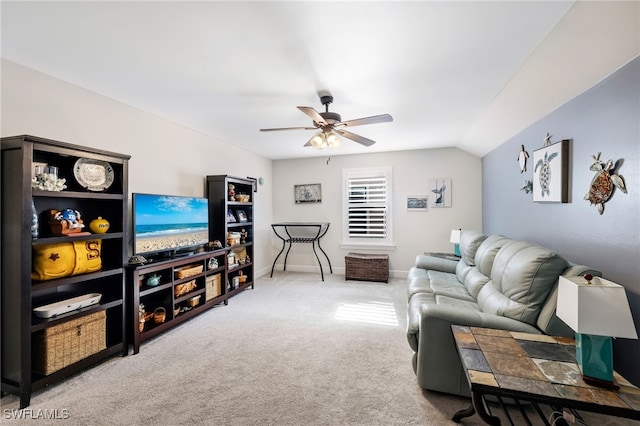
pixel 319 141
pixel 600 308
pixel 333 140
pixel 455 236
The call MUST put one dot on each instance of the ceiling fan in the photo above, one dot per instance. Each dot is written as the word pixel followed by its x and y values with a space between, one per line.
pixel 331 125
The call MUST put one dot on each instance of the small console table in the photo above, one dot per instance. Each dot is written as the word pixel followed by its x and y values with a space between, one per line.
pixel 301 232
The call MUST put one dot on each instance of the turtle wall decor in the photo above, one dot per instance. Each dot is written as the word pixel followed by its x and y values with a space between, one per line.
pixel 551 172
pixel 603 183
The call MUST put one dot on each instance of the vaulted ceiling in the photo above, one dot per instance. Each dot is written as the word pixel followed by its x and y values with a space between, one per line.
pixel 452 73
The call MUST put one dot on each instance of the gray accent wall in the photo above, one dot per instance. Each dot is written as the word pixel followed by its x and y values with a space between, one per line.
pixel 606 119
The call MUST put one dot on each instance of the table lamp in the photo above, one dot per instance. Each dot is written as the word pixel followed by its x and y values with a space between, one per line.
pixel 455 239
pixel 597 310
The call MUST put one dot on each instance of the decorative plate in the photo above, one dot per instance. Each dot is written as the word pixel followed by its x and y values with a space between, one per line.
pixel 94 175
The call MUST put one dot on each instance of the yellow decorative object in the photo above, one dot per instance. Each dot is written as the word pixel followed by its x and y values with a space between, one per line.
pixel 99 225
pixel 51 261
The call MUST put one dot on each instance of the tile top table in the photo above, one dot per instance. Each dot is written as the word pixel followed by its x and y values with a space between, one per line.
pixel 535 368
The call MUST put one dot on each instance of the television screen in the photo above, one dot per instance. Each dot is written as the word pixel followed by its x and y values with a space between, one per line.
pixel 168 224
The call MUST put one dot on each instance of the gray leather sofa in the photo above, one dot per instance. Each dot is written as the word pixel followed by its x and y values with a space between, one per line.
pixel 497 283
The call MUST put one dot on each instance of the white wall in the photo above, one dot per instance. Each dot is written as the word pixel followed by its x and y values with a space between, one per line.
pixel 165 157
pixel 414 232
pixel 169 158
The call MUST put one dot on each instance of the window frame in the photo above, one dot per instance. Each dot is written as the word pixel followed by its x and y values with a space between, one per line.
pixel 369 242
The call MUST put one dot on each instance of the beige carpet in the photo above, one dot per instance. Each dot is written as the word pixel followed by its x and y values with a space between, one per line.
pixel 293 351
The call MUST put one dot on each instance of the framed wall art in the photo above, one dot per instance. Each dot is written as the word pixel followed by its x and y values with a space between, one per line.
pixel 308 193
pixel 551 173
pixel 441 189
pixel 417 202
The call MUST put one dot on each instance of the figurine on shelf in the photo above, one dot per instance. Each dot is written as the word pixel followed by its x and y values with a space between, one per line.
pixel 214 245
pixel 243 236
pixel 232 192
pixel 65 222
pixel 141 319
pixel 46 179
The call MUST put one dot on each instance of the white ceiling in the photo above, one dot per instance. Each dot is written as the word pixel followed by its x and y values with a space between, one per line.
pixel 228 69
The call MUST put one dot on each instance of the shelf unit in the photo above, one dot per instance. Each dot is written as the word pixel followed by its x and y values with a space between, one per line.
pixel 227 214
pixel 20 293
pixel 167 295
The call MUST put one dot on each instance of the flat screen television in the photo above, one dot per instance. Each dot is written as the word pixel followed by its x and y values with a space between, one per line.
pixel 167 225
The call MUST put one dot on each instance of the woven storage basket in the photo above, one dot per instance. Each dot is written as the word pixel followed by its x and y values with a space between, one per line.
pixel 64 344
pixel 213 287
pixel 367 267
pixel 189 270
pixel 184 288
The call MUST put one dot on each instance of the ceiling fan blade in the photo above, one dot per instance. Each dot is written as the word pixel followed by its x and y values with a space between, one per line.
pixel 360 139
pixel 287 128
pixel 382 118
pixel 315 115
pixel 309 141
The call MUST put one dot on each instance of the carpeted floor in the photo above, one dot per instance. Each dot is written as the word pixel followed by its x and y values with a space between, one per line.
pixel 292 351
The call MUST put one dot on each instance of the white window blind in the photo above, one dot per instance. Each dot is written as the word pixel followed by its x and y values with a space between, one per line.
pixel 367 205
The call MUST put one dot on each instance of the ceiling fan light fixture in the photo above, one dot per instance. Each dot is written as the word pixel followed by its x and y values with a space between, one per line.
pixel 333 140
pixel 319 141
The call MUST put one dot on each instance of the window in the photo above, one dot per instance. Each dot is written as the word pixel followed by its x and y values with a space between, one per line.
pixel 367 206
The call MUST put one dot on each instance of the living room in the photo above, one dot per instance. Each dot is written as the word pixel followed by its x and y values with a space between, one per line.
pixel 167 157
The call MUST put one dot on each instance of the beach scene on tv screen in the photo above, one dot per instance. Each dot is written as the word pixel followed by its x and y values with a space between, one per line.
pixel 164 223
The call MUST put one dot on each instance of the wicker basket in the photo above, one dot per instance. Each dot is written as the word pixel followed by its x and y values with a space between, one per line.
pixel 194 301
pixel 213 287
pixel 159 315
pixel 184 288
pixel 188 271
pixel 367 267
pixel 57 347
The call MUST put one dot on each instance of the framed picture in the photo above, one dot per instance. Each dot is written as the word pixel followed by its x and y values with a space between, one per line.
pixel 309 193
pixel 551 173
pixel 417 202
pixel 230 217
pixel 441 189
pixel 242 216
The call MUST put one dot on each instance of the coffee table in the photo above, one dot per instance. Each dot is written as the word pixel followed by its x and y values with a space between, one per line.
pixel 533 368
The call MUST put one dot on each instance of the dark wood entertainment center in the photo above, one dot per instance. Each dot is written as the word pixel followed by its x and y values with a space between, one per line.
pixel 182 287
pixel 167 298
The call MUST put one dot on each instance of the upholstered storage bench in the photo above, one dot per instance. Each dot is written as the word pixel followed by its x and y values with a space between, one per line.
pixel 68 342
pixel 367 267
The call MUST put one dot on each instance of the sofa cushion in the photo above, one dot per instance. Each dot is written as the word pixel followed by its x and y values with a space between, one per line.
pixel 522 277
pixel 486 252
pixel 447 284
pixel 469 243
pixel 418 284
pixel 455 302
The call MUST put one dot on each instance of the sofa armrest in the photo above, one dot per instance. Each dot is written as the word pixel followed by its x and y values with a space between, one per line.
pixel 578 270
pixel 465 317
pixel 437 362
pixel 424 261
